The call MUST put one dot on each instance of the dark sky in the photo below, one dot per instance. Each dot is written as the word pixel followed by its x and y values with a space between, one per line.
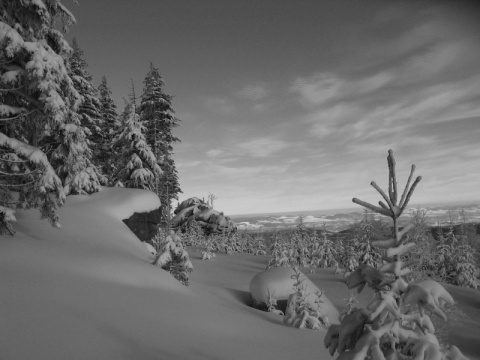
pixel 292 105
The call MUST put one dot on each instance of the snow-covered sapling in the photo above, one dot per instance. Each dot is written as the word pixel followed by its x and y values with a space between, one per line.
pixel 7 216
pixel 208 253
pixel 174 258
pixel 272 303
pixel 351 303
pixel 299 312
pixel 396 323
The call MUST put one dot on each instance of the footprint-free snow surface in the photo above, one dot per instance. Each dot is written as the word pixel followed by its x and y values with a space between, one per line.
pixel 88 291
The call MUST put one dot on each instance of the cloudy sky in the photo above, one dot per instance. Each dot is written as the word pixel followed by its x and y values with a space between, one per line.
pixel 293 105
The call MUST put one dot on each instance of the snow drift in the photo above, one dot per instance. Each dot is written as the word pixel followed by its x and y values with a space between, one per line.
pixel 89 291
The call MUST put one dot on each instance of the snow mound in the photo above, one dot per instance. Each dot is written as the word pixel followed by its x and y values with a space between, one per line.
pixel 278 282
pixel 93 241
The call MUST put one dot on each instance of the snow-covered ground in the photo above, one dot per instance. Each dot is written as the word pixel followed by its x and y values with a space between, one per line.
pixel 88 291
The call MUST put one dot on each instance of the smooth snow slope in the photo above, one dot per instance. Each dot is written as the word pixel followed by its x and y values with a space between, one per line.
pixel 88 291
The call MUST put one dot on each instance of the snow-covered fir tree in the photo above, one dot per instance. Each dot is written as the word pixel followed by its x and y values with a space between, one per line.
pixel 90 108
pixel 110 124
pixel 173 257
pixel 138 167
pixel 157 115
pixel 71 160
pixel 168 186
pixel 363 237
pixel 71 155
pixel 37 100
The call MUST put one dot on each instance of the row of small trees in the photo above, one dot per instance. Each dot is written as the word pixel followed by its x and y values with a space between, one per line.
pixel 59 134
pixel 449 258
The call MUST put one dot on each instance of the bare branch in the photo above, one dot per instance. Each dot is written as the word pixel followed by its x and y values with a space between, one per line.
pixel 374 184
pixel 21 174
pixel 412 170
pixel 12 89
pixel 18 116
pixel 29 98
pixel 18 185
pixel 8 61
pixel 14 161
pixel 392 178
pixel 407 199
pixel 382 204
pixel 374 208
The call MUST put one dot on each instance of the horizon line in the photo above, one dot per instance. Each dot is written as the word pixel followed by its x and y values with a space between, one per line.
pixel 413 205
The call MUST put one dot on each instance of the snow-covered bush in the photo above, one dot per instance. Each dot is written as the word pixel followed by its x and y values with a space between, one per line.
pixel 327 252
pixel 7 216
pixel 209 249
pixel 364 234
pixel 449 258
pixel 455 260
pixel 173 257
pixel 271 303
pixel 194 235
pixel 300 313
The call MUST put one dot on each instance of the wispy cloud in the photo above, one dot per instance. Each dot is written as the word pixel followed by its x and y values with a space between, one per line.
pixel 317 88
pixel 262 147
pixel 254 92
pixel 215 153
pixel 378 104
pixel 188 164
pixel 220 105
pixel 405 82
pixel 248 171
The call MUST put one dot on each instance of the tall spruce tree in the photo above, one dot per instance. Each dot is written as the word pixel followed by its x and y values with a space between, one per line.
pixel 157 115
pixel 37 100
pixel 138 166
pixel 90 108
pixel 110 124
pixel 168 187
pixel 71 154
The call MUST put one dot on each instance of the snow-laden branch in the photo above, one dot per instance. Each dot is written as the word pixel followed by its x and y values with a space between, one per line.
pixel 49 180
pixel 19 116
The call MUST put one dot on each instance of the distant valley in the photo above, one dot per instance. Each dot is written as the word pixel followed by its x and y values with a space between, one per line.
pixel 340 219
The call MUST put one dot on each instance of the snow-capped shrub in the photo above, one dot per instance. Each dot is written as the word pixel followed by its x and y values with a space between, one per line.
pixel 7 216
pixel 174 258
pixel 455 260
pixel 351 303
pixel 364 235
pixel 327 253
pixel 194 234
pixel 300 313
pixel 271 303
pixel 209 250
